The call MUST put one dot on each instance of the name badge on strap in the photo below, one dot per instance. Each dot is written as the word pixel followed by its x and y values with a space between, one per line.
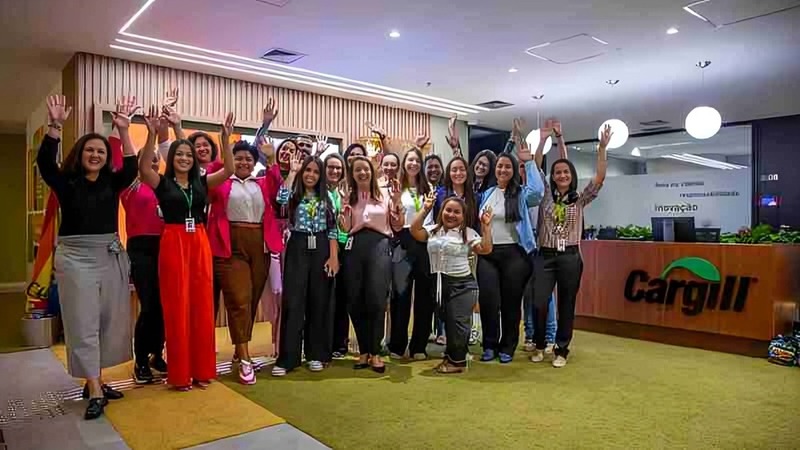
pixel 349 244
pixel 561 244
pixel 190 225
pixel 312 242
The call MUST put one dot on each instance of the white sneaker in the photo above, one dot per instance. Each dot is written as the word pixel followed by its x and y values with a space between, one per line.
pixel 549 349
pixel 537 356
pixel 315 366
pixel 396 356
pixel 559 362
pixel 530 346
pixel 278 371
pixel 420 356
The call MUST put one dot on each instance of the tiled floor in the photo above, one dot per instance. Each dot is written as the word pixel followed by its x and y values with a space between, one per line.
pixel 279 437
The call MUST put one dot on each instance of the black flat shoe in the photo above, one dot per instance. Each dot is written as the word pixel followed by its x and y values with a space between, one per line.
pixel 360 366
pixel 108 392
pixel 95 408
pixel 142 374
pixel 378 369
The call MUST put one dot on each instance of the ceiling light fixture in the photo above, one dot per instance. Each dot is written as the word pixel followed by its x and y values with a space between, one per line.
pixel 513 70
pixel 278 77
pixel 636 152
pixel 394 34
pixel 620 133
pixel 672 30
pixel 534 137
pixel 703 122
pixel 701 161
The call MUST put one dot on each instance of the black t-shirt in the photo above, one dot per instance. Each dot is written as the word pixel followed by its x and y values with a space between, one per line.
pixel 87 207
pixel 174 201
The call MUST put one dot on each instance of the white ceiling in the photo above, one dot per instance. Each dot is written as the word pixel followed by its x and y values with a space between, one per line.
pixel 464 51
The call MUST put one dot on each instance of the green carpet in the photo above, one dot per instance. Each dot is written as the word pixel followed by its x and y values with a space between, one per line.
pixel 614 393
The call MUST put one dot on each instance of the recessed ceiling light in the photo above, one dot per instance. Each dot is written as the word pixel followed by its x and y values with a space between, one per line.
pixel 512 70
pixel 672 30
pixel 394 34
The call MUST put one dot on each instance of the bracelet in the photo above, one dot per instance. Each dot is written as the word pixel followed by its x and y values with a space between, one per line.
pixel 55 126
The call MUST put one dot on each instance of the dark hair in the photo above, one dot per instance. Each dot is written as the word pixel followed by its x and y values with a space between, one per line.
pixel 194 172
pixel 430 157
pixel 375 191
pixel 244 146
pixel 339 157
pixel 72 166
pixel 394 155
pixel 489 180
pixel 470 203
pixel 421 180
pixel 571 195
pixel 321 189
pixel 350 149
pixel 513 189
pixel 440 221
pixel 201 134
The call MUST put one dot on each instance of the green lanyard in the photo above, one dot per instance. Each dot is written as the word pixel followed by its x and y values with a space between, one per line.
pixel 189 198
pixel 312 207
pixel 337 201
pixel 415 197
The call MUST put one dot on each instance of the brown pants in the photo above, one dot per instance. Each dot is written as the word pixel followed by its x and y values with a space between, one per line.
pixel 243 277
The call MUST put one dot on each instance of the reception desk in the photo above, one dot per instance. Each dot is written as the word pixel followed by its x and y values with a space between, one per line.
pixel 724 297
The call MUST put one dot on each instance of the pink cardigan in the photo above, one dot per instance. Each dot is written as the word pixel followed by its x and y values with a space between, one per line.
pixel 219 228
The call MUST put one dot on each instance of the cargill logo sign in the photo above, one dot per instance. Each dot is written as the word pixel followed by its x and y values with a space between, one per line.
pixel 712 292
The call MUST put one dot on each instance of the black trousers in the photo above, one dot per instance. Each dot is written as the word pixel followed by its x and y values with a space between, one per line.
pixel 368 278
pixel 307 312
pixel 562 270
pixel 458 298
pixel 149 332
pixel 410 270
pixel 501 276
pixel 341 320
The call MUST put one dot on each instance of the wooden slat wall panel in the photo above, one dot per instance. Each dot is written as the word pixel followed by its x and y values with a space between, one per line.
pixel 101 79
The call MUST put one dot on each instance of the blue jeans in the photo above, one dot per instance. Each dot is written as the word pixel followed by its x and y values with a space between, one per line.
pixel 550 333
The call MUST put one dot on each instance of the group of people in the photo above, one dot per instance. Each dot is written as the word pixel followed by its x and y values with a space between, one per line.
pixel 344 239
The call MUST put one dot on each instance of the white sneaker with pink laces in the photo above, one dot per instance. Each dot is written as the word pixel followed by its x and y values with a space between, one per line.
pixel 246 373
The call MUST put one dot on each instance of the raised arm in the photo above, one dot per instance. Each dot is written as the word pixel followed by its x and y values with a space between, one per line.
pixel 533 189
pixel 270 112
pixel 285 191
pixel 146 153
pixel 219 177
pixel 57 114
pixel 345 219
pixel 126 109
pixel 417 229
pixel 397 214
pixel 170 112
pixel 602 157
pixel 562 147
pixel 452 137
pixel 544 133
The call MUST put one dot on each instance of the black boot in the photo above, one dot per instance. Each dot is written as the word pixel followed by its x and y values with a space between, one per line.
pixel 142 374
pixel 95 408
pixel 108 392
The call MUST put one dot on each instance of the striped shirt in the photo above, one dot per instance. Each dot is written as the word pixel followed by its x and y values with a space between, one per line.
pixel 548 230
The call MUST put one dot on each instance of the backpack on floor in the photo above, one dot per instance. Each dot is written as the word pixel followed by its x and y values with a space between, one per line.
pixel 784 351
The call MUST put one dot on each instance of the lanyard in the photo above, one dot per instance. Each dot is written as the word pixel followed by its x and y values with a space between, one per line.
pixel 337 201
pixel 415 197
pixel 312 207
pixel 189 198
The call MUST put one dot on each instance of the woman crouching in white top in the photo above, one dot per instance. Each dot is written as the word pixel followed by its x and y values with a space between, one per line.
pixel 450 243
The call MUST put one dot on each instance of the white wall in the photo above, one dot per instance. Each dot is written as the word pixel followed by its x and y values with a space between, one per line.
pixel 439 133
pixel 634 199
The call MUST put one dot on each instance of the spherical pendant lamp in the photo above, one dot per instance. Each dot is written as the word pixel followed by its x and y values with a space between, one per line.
pixel 703 122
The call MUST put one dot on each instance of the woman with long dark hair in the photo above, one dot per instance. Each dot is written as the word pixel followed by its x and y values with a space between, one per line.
pixel 482 170
pixel 312 261
pixel 371 216
pixel 185 261
pixel 559 264
pixel 411 268
pixel 390 166
pixel 91 266
pixel 502 273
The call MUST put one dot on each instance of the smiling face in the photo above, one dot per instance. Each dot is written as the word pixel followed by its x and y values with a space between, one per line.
pixel 311 175
pixel 433 170
pixel 305 145
pixel 285 152
pixel 94 156
pixel 412 164
pixel 355 151
pixel 184 159
pixel 562 176
pixel 362 173
pixel 452 215
pixel 334 170
pixel 243 164
pixel 204 150
pixel 389 166
pixel 458 172
pixel 482 167
pixel 504 170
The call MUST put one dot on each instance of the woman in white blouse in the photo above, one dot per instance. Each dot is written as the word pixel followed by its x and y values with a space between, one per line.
pixel 450 243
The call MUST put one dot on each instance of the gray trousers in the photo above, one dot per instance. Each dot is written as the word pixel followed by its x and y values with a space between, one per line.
pixel 92 276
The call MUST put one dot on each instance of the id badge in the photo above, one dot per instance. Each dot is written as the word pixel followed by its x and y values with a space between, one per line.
pixel 190 225
pixel 561 245
pixel 312 242
pixel 349 244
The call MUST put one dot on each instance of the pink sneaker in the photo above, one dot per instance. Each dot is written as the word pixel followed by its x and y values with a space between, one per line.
pixel 247 375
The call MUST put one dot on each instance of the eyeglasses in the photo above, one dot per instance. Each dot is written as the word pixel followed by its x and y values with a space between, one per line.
pixel 304 145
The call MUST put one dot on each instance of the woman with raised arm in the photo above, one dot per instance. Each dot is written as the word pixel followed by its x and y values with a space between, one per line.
pixel 502 273
pixel 371 216
pixel 91 266
pixel 559 264
pixel 312 261
pixel 185 262
pixel 450 242
pixel 241 225
pixel 410 266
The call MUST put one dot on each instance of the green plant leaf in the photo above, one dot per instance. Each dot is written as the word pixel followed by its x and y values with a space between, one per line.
pixel 698 266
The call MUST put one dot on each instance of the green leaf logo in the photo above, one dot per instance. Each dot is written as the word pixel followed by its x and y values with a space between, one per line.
pixel 698 266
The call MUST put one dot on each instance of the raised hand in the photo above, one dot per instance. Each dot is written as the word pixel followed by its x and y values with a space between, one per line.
pixel 322 144
pixel 227 126
pixel 429 200
pixel 486 217
pixel 422 139
pixel 523 152
pixel 296 163
pixel 270 111
pixel 344 192
pixel 171 115
pixel 126 109
pixel 57 109
pixel 170 99
pixel 605 136
pixel 265 146
pixel 556 127
pixel 516 128
pixel 452 134
pixel 152 120
pixel 395 190
pixel 546 130
pixel 163 124
pixel 374 129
